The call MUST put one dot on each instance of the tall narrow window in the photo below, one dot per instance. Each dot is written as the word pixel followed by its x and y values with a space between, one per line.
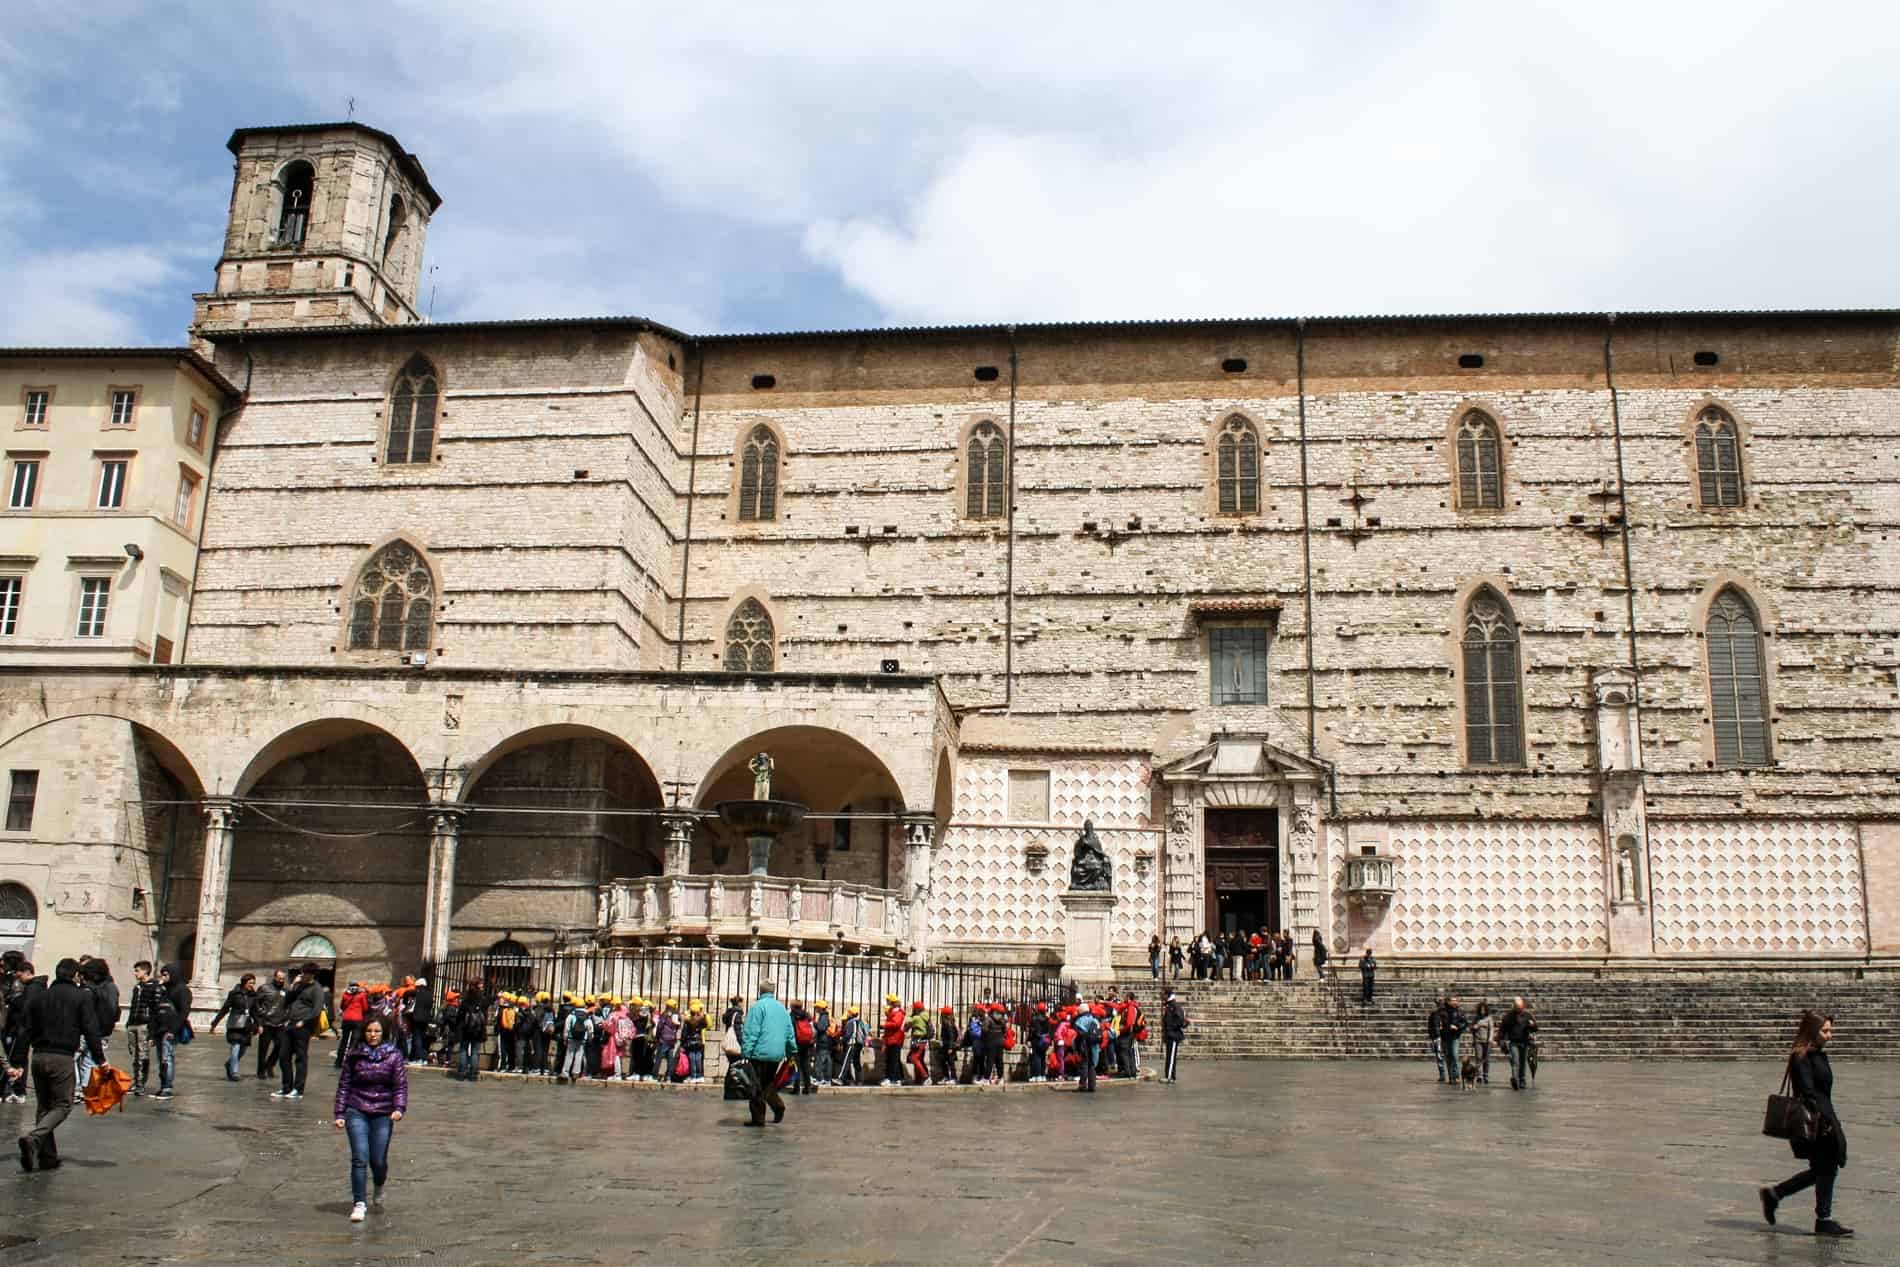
pixel 394 233
pixel 393 608
pixel 10 587
pixel 1237 456
pixel 187 497
pixel 1735 682
pixel 23 489
pixel 195 429
pixel 1480 486
pixel 986 478
pixel 758 477
pixel 412 413
pixel 112 472
pixel 1494 721
pixel 23 788
pixel 1718 459
pixel 749 639
pixel 33 405
pixel 125 404
pixel 298 180
pixel 95 594
pixel 1238 663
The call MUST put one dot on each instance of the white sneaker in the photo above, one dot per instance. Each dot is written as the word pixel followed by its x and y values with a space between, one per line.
pixel 358 1212
pixel 294 1095
pixel 280 1095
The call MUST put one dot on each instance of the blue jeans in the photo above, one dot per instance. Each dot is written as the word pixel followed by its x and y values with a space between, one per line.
pixel 167 1060
pixel 369 1150
pixel 1520 1064
pixel 83 1070
pixel 696 1062
pixel 231 1061
pixel 468 1059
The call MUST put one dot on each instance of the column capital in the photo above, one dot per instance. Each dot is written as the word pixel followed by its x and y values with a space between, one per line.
pixel 222 812
pixel 919 829
pixel 447 816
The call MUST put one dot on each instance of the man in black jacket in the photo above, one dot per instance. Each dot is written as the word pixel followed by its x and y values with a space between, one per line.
pixel 168 1024
pixel 421 1016
pixel 1368 969
pixel 141 1023
pixel 302 1005
pixel 1174 1025
pixel 95 975
pixel 270 1022
pixel 59 1019
pixel 1451 1028
pixel 13 994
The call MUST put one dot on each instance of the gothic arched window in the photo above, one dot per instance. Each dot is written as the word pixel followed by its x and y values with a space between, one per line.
pixel 1480 484
pixel 412 408
pixel 749 638
pixel 986 481
pixel 298 182
pixel 393 608
pixel 1237 457
pixel 1718 459
pixel 1736 690
pixel 1494 717
pixel 758 476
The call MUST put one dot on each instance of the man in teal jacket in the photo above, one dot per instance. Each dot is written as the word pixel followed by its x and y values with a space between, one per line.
pixel 767 1041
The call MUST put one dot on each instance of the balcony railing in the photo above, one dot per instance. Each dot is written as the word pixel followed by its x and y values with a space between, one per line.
pixel 750 912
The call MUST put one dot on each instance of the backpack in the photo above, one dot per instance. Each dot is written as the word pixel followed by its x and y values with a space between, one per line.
pixel 578 1025
pixel 802 1031
pixel 547 1022
pixel 472 1025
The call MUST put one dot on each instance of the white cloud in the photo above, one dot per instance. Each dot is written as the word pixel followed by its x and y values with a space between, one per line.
pixel 82 297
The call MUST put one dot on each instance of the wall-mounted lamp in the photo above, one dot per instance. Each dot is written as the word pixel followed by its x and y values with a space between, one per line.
pixel 138 898
pixel 133 553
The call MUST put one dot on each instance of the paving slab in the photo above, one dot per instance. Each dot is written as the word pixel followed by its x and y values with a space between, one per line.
pixel 1267 1162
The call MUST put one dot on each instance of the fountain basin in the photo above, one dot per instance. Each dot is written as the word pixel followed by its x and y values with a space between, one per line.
pixel 761 818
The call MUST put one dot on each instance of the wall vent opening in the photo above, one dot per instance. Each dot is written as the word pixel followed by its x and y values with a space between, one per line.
pixel 1234 365
pixel 986 373
pixel 1706 358
pixel 1471 361
pixel 763 382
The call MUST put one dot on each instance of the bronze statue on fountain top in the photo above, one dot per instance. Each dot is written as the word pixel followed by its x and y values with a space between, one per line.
pixel 1088 869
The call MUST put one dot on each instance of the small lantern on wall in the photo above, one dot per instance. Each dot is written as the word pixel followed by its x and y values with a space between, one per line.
pixel 1035 856
pixel 1144 862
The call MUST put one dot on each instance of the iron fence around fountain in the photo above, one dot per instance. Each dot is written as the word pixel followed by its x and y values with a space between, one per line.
pixel 714 976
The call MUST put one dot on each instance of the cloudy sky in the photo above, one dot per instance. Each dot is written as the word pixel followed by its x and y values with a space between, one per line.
pixel 773 166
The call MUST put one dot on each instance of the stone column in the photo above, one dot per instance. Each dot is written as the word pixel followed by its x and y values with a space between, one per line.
pixel 1182 873
pixel 214 891
pixel 919 833
pixel 679 843
pixel 439 904
pixel 1303 854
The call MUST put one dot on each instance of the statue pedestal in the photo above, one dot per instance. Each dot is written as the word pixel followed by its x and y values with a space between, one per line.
pixel 1086 934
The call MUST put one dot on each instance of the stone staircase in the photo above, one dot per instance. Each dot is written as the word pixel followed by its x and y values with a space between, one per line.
pixel 1622 1014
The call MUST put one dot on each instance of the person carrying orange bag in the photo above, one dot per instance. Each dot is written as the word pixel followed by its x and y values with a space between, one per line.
pixel 106 1088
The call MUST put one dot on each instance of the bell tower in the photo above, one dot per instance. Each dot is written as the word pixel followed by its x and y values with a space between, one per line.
pixel 326 228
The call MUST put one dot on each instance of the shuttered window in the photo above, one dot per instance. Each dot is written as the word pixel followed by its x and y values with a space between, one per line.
pixel 412 409
pixel 749 638
pixel 985 480
pixel 1735 683
pixel 1237 455
pixel 1480 484
pixel 1494 719
pixel 1718 459
pixel 758 477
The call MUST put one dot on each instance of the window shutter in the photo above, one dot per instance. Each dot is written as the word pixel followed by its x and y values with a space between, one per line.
pixel 1248 445
pixel 1490 494
pixel 1477 705
pixel 401 407
pixel 1229 494
pixel 1467 469
pixel 997 481
pixel 768 479
pixel 422 430
pixel 1728 466
pixel 749 483
pixel 976 473
pixel 1505 714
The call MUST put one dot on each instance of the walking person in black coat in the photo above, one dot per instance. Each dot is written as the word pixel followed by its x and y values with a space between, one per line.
pixel 1826 1153
pixel 1368 969
pixel 1174 1025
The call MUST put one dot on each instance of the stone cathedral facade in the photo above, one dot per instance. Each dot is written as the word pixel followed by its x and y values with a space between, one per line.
pixel 1558 637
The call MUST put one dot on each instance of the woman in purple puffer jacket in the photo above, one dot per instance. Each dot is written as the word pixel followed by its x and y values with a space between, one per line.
pixel 372 1093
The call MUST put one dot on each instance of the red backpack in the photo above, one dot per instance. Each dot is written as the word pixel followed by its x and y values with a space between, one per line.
pixel 802 1030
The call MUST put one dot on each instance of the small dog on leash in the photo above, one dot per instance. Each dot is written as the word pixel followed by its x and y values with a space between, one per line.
pixel 1468 1075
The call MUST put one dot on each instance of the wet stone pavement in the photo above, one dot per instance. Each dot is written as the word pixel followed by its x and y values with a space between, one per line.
pixel 1241 1163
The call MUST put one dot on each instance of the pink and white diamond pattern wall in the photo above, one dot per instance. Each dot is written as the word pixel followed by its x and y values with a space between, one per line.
pixel 1745 888
pixel 981 886
pixel 1499 888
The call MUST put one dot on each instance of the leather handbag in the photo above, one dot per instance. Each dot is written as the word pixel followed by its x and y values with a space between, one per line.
pixel 1788 1117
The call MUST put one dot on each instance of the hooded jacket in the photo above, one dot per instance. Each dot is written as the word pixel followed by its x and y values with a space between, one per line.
pixel 374 1080
pixel 768 1031
pixel 59 1018
pixel 175 1008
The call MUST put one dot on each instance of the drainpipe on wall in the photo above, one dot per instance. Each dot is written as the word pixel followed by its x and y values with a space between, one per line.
pixel 692 474
pixel 1306 532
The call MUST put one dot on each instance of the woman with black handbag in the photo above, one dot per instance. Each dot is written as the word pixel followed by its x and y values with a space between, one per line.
pixel 1825 1147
